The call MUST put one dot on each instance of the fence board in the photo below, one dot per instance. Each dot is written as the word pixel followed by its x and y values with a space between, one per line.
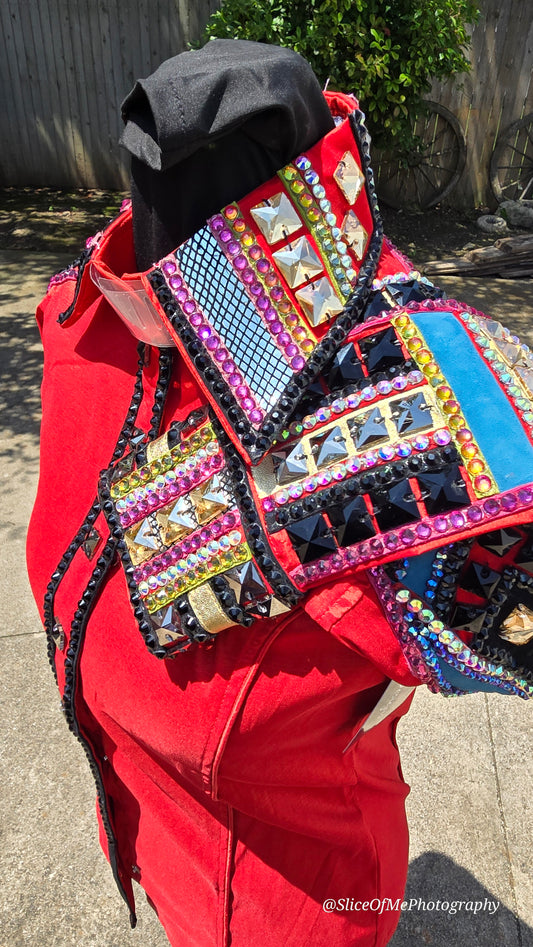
pixel 496 92
pixel 65 67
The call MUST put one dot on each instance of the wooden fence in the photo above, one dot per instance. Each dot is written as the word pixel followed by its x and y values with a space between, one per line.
pixel 497 91
pixel 65 66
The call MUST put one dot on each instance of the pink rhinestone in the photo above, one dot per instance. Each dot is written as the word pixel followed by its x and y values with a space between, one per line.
pixel 168 267
pixel 248 276
pixel 175 282
pixel 240 262
pixel 256 289
pixel 196 319
pixel 235 379
pixel 242 391
pixel 229 520
pixel 256 416
pixel 221 354
pixel 298 363
pixel 268 505
pixel 248 404
pixel 440 524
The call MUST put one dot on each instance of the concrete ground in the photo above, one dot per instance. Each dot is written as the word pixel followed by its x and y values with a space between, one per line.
pixel 468 760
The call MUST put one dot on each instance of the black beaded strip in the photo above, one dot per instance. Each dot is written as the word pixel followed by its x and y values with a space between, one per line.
pixel 444 579
pixel 251 523
pixel 80 263
pixel 360 483
pixel 161 392
pixel 257 443
pixel 92 515
pixel 508 655
pixel 72 658
pixel 228 602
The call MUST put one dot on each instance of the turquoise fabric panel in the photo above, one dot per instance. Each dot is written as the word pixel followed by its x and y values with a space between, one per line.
pixel 487 411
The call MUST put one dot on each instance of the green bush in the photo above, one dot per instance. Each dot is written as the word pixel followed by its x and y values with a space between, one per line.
pixel 385 52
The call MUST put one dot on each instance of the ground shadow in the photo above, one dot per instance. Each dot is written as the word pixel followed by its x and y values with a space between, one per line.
pixel 434 878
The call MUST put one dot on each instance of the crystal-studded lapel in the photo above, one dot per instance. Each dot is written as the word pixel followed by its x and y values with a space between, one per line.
pixel 262 296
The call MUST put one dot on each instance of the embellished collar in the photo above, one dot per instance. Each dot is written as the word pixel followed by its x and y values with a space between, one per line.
pixel 261 297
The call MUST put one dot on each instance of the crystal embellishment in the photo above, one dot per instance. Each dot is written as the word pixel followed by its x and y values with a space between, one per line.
pixel 246 583
pixel 349 177
pixel 91 543
pixel 276 218
pixel 166 624
pixel 329 448
pixel 319 301
pixel 290 465
pixel 355 234
pixel 412 414
pixel 176 520
pixel 298 262
pixel 518 626
pixel 209 499
pixel 368 428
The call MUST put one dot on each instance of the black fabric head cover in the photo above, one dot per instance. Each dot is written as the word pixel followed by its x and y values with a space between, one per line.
pixel 207 128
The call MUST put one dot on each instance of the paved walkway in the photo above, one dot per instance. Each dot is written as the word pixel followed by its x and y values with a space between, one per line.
pixel 468 760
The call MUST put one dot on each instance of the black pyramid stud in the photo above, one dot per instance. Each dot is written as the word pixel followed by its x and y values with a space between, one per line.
pixel 524 559
pixel 480 580
pixel 376 304
pixel 381 351
pixel 345 368
pixel 246 582
pixel 352 522
pixel 311 538
pixel 500 541
pixel 467 618
pixel 396 506
pixel 443 490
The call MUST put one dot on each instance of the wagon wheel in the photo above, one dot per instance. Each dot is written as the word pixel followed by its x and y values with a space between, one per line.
pixel 511 165
pixel 423 175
